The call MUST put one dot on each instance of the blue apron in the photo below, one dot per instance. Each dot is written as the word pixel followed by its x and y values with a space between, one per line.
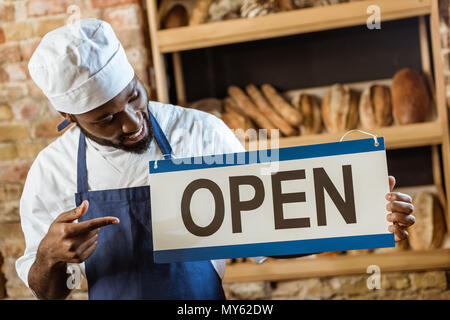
pixel 122 266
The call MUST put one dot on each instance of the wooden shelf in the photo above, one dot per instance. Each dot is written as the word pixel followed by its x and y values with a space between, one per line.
pixel 396 137
pixel 285 24
pixel 434 132
pixel 307 267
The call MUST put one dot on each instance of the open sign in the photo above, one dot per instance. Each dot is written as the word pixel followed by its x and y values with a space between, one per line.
pixel 324 197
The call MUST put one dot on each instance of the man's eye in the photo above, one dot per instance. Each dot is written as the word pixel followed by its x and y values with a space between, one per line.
pixel 106 122
pixel 134 97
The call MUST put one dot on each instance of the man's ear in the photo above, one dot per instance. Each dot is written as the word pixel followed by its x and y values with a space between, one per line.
pixel 67 116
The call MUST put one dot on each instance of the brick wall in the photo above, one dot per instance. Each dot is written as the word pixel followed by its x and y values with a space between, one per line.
pixel 433 285
pixel 27 124
pixel 27 121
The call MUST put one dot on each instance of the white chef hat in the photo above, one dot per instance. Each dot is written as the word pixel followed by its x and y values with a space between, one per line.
pixel 80 66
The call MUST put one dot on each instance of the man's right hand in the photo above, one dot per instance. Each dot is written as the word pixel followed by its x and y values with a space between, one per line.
pixel 65 242
pixel 69 242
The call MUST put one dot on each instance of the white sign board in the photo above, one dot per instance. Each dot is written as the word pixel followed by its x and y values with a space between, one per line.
pixel 324 197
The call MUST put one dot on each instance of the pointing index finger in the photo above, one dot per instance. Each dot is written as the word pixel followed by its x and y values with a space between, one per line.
pixel 89 225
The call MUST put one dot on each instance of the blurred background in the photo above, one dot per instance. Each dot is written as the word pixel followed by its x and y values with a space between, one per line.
pixel 191 53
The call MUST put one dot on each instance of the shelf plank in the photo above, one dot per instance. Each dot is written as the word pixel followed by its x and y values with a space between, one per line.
pixel 395 137
pixel 276 270
pixel 285 24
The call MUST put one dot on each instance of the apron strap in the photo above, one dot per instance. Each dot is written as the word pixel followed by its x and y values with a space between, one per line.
pixel 82 182
pixel 63 125
pixel 161 139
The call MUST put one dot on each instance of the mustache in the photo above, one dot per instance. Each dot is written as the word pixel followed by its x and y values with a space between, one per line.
pixel 145 119
pixel 138 148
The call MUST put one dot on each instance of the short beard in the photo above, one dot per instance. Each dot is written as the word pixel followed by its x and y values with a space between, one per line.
pixel 138 148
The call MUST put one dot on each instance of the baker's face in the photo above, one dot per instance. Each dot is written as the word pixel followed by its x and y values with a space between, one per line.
pixel 123 122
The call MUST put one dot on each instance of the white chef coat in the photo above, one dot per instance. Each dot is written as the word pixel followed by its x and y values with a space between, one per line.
pixel 52 180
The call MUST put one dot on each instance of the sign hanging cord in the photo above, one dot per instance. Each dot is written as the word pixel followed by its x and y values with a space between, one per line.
pixel 375 138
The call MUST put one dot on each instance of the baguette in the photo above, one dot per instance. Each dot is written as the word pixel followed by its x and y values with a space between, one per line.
pixel 236 125
pixel 232 121
pixel 310 110
pixel 292 116
pixel 237 121
pixel 268 111
pixel 340 109
pixel 248 108
pixel 410 98
pixel 233 110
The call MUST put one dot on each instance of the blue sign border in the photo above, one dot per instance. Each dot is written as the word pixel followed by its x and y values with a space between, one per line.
pixel 263 156
pixel 277 248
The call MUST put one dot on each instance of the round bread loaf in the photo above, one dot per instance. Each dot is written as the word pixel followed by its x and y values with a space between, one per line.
pixel 375 107
pixel 309 107
pixel 176 17
pixel 210 105
pixel 340 109
pixel 410 98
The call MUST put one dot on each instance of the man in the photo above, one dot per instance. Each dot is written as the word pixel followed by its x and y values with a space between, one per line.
pixel 86 199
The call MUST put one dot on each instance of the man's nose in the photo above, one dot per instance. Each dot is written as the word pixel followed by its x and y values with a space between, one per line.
pixel 131 121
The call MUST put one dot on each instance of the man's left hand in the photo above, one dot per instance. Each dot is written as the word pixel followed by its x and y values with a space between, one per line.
pixel 401 209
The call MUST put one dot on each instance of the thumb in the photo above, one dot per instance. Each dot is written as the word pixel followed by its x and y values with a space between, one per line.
pixel 76 213
pixel 391 183
pixel 82 209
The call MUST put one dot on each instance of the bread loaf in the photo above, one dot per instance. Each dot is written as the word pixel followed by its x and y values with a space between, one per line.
pixel 179 10
pixel 200 12
pixel 429 229
pixel 309 107
pixel 286 5
pixel 229 105
pixel 249 108
pixel 358 252
pixel 340 109
pixel 329 254
pixel 320 3
pixel 232 109
pixel 299 4
pixel 288 112
pixel 268 111
pixel 225 10
pixel 254 8
pixel 375 108
pixel 210 105
pixel 410 98
pixel 236 120
pixel 176 17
